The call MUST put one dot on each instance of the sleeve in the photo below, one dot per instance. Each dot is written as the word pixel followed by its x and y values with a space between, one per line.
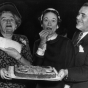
pixel 26 52
pixel 41 51
pixel 70 55
pixel 37 59
pixel 78 73
pixel 70 60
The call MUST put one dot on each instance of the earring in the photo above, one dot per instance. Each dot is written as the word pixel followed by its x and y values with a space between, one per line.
pixel 16 27
pixel 57 26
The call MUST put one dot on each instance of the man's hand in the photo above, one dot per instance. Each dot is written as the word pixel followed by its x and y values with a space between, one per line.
pixel 62 73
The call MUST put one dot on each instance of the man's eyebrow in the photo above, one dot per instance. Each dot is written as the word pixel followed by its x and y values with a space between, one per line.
pixel 82 13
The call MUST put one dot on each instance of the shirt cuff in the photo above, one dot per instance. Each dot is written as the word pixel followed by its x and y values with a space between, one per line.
pixel 41 51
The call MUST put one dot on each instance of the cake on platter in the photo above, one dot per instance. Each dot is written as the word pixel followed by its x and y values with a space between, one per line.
pixel 35 72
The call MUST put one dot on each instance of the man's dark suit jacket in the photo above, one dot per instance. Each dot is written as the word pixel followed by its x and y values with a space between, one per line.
pixel 79 74
pixel 59 54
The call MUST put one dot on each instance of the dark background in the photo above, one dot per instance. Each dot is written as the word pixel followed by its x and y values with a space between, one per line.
pixel 30 10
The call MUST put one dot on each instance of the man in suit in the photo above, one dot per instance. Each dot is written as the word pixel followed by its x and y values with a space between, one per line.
pixel 78 75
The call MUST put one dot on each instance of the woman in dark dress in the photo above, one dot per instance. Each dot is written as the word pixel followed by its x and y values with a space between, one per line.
pixel 52 49
pixel 10 20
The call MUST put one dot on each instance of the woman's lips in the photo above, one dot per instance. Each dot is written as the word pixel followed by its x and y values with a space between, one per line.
pixel 49 28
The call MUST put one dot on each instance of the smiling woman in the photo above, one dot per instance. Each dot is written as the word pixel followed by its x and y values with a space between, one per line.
pixel 10 20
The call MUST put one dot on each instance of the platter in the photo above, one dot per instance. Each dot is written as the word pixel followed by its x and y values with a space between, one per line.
pixel 34 73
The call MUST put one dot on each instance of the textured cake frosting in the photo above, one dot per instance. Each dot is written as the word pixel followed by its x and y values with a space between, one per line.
pixel 34 72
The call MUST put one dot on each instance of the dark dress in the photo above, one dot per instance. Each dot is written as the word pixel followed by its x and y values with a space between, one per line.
pixel 59 54
pixel 6 60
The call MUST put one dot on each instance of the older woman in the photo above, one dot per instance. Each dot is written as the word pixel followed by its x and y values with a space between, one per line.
pixel 52 49
pixel 10 20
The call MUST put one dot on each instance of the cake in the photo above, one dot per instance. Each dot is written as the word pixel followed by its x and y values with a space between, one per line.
pixel 34 72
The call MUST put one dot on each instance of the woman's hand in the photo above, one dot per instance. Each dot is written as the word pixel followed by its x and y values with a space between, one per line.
pixel 44 34
pixel 13 53
pixel 5 74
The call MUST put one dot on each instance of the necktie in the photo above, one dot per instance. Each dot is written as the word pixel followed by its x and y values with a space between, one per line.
pixel 80 35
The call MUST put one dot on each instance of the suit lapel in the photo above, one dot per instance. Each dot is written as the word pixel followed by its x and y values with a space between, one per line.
pixel 75 38
pixel 82 42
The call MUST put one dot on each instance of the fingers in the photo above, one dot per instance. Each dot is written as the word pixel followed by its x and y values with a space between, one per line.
pixel 44 34
pixel 61 74
pixel 5 74
pixel 7 50
pixel 1 73
pixel 10 48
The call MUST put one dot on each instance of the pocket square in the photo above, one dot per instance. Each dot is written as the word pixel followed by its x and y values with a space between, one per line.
pixel 81 49
pixel 67 86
